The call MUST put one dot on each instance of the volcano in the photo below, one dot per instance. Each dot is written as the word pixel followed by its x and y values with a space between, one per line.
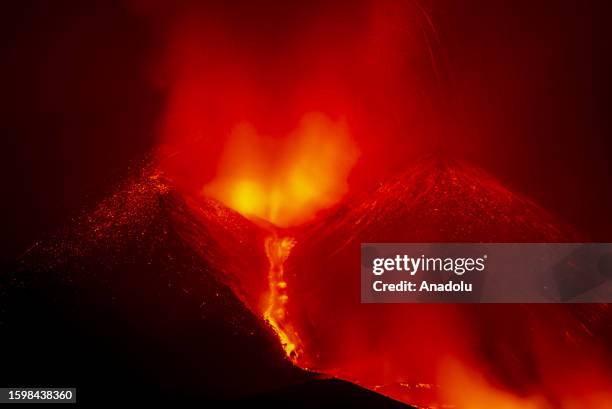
pixel 149 294
pixel 439 199
pixel 161 294
pixel 409 351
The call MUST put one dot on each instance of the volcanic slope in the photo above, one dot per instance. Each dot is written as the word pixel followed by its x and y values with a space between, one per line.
pixel 402 349
pixel 142 299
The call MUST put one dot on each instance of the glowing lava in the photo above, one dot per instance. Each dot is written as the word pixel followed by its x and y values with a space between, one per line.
pixel 277 250
pixel 285 181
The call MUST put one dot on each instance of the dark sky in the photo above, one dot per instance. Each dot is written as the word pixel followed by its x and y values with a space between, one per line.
pixel 79 107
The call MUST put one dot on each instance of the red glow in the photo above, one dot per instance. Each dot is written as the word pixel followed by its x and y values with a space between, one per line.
pixel 224 75
pixel 274 133
pixel 285 181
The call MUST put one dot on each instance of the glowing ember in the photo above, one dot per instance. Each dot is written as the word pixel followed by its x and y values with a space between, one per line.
pixel 277 250
pixel 285 181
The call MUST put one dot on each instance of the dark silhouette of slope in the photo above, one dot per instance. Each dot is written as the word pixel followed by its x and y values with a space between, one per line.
pixel 120 303
pixel 323 393
pixel 142 299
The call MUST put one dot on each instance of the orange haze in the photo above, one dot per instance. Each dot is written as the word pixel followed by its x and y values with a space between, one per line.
pixel 285 181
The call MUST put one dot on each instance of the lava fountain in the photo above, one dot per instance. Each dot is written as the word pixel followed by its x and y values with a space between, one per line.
pixel 284 182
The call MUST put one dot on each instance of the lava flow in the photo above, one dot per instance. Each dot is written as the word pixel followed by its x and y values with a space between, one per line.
pixel 284 183
pixel 277 250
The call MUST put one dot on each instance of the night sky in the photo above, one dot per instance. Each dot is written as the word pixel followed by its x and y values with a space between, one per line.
pixel 518 88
